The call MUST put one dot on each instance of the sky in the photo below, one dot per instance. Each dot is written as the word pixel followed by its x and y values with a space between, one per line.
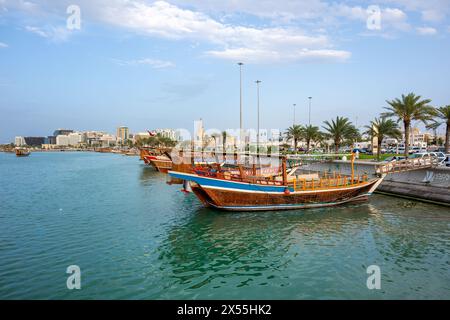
pixel 97 65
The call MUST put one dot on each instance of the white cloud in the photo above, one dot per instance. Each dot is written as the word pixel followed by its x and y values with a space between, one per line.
pixel 154 63
pixel 394 18
pixel 165 20
pixel 426 31
pixel 3 45
pixel 57 34
pixel 258 56
pixel 390 18
pixel 215 23
pixel 37 31
pixel 430 10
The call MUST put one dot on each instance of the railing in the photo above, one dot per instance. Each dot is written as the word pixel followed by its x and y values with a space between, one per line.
pixel 407 165
pixel 327 182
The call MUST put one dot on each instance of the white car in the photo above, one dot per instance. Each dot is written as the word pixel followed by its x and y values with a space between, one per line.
pixel 440 155
pixel 446 161
pixel 422 157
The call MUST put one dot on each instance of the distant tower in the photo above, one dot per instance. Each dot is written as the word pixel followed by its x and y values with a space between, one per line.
pixel 123 133
pixel 199 133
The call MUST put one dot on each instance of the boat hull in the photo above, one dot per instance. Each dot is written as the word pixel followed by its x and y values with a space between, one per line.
pixel 22 153
pixel 161 165
pixel 235 196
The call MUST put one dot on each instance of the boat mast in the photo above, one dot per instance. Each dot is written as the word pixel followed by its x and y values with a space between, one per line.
pixel 353 170
pixel 283 168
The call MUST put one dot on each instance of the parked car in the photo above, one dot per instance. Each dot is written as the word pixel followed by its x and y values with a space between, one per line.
pixel 440 155
pixel 360 150
pixel 421 156
pixel 446 161
pixel 414 150
pixel 393 158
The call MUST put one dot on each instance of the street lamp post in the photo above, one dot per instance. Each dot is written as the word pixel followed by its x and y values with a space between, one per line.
pixel 309 110
pixel 240 101
pixel 294 112
pixel 257 137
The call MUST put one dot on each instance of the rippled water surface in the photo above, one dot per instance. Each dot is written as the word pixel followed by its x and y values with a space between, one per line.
pixel 135 237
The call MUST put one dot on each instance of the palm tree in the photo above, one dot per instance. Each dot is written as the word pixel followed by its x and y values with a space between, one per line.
pixel 224 141
pixel 353 135
pixel 408 109
pixel 310 133
pixel 339 130
pixel 382 128
pixel 443 117
pixel 295 132
pixel 167 142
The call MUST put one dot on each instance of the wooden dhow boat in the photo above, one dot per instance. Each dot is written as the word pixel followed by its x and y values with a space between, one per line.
pixel 288 190
pixel 161 161
pixel 22 152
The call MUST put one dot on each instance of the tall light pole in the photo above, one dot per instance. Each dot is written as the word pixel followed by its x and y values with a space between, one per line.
pixel 240 101
pixel 257 94
pixel 294 112
pixel 309 110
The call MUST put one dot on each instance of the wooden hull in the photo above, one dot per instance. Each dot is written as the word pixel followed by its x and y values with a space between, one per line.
pixel 233 196
pixel 161 165
pixel 243 201
pixel 22 153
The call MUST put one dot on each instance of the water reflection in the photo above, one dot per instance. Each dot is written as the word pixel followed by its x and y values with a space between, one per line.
pixel 149 175
pixel 408 233
pixel 213 245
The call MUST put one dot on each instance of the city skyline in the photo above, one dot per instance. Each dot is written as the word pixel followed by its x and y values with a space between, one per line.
pixel 148 73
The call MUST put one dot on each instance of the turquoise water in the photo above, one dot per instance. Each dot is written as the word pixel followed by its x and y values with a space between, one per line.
pixel 135 237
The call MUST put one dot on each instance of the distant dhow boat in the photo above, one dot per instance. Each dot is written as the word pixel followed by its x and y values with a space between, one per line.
pixel 22 152
pixel 243 192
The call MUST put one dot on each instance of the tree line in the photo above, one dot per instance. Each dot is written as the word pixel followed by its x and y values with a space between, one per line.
pixel 404 110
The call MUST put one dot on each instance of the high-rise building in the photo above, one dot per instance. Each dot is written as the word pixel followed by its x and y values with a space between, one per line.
pixel 51 140
pixel 62 140
pixel 19 141
pixel 123 134
pixel 76 138
pixel 65 132
pixel 34 141
pixel 169 133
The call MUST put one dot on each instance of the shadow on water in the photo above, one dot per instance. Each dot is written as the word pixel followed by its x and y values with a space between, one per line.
pixel 149 175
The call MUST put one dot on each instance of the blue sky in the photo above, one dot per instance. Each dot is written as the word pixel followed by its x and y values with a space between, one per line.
pixel 165 64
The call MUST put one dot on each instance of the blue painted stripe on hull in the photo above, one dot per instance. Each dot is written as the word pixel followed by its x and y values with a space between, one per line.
pixel 226 184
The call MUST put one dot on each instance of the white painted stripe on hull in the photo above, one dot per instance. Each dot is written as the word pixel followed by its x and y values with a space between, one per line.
pixel 282 192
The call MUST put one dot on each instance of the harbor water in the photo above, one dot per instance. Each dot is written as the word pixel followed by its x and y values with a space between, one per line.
pixel 135 237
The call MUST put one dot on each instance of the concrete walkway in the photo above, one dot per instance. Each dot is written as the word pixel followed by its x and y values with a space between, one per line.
pixel 429 184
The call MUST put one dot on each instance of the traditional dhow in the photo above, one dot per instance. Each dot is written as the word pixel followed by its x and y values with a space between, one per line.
pixel 242 192
pixel 22 152
pixel 161 163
